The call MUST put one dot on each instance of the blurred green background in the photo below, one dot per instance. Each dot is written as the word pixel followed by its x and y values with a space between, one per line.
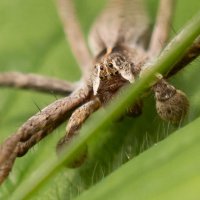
pixel 32 40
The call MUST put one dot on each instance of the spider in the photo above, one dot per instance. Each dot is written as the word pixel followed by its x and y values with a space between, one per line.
pixel 121 47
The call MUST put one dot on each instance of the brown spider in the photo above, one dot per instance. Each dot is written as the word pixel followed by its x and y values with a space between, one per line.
pixel 120 49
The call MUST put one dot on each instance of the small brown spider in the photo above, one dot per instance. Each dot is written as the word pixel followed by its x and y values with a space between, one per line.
pixel 120 51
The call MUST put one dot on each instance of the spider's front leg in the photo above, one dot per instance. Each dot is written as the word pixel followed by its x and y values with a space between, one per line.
pixel 73 126
pixel 38 127
pixel 36 82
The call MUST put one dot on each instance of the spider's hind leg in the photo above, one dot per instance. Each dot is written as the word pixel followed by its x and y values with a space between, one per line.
pixel 73 126
pixel 171 104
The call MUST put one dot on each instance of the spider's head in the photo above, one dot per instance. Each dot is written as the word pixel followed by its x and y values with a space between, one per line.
pixel 112 66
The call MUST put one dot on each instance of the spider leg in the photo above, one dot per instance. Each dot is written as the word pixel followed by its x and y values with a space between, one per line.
pixel 36 82
pixel 6 167
pixel 135 110
pixel 74 35
pixel 37 127
pixel 191 54
pixel 162 27
pixel 121 22
pixel 74 124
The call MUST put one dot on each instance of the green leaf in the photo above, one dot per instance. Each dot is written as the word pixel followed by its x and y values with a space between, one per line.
pixel 32 40
pixel 165 171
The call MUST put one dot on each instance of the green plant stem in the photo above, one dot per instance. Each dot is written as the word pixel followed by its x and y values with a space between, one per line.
pixel 166 171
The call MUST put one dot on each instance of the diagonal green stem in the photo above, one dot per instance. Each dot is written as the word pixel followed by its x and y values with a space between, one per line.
pixel 172 53
pixel 149 176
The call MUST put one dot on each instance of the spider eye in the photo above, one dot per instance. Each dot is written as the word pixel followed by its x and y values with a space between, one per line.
pixel 132 65
pixel 101 67
pixel 110 65
pixel 118 62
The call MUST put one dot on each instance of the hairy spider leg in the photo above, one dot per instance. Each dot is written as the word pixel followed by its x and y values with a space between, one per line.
pixel 74 124
pixel 38 127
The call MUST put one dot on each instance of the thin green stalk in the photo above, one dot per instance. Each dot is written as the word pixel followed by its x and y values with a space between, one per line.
pixel 166 171
pixel 173 52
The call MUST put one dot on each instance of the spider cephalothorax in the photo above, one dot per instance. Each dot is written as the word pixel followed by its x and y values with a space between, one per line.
pixel 113 69
pixel 119 54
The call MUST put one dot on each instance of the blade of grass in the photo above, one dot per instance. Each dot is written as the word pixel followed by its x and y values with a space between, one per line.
pixel 169 170
pixel 170 55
